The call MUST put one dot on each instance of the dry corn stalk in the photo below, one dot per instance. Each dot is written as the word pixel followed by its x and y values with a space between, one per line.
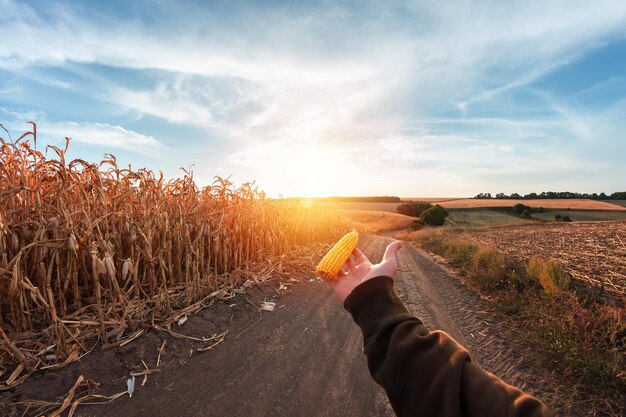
pixel 84 242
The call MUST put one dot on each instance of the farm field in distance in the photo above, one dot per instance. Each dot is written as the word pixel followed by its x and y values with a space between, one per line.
pixel 373 221
pixel 574 204
pixel 390 207
pixel 582 215
pixel 480 213
pixel 483 218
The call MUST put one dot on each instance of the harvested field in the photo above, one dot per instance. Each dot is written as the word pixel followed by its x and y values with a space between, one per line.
pixel 390 207
pixel 583 215
pixel 476 219
pixel 432 200
pixel 347 205
pixel 618 202
pixel 594 253
pixel 374 222
pixel 564 204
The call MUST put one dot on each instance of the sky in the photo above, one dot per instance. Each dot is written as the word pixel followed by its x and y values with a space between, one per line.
pixel 315 98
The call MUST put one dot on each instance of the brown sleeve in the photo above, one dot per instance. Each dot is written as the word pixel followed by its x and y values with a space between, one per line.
pixel 427 373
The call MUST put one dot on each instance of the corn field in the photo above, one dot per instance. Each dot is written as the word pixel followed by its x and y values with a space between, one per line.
pixel 95 251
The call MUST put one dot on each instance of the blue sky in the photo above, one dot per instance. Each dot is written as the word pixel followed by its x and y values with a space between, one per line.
pixel 425 98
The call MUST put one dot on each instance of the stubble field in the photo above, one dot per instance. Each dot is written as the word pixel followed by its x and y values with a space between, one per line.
pixel 592 252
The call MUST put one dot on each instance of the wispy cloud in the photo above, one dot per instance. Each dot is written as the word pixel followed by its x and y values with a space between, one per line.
pixel 101 134
pixel 430 85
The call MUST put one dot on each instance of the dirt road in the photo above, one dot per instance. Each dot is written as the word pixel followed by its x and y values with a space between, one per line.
pixel 305 358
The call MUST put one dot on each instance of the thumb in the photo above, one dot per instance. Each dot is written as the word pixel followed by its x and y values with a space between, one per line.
pixel 391 253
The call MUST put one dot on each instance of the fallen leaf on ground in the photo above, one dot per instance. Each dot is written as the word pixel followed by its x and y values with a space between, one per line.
pixel 130 383
pixel 267 306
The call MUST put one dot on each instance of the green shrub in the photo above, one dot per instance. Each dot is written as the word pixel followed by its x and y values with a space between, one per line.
pixel 534 268
pixel 417 224
pixel 518 281
pixel 526 214
pixel 519 208
pixel 555 278
pixel 414 209
pixel 459 252
pixel 550 274
pixel 558 217
pixel 488 269
pixel 434 216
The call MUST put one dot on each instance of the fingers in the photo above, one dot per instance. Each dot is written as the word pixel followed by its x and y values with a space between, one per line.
pixel 359 256
pixel 391 253
pixel 350 263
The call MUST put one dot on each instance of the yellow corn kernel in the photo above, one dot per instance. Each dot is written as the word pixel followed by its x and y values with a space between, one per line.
pixel 331 263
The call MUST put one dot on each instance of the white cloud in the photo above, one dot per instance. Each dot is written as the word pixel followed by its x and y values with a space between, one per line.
pixel 101 134
pixel 369 83
pixel 305 62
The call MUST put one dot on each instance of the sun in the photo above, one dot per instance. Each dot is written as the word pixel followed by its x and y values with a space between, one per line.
pixel 307 170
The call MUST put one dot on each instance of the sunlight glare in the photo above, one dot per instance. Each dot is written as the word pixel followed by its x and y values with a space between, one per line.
pixel 308 170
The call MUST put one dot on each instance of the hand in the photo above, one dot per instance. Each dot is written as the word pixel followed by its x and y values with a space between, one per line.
pixel 360 269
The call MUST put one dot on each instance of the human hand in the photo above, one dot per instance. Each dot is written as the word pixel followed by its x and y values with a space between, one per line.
pixel 360 269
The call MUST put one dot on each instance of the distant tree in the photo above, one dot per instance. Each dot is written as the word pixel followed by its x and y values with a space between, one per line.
pixel 434 216
pixel 519 208
pixel 526 214
pixel 566 219
pixel 621 195
pixel 414 209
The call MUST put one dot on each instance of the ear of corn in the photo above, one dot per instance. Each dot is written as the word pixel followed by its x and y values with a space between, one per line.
pixel 331 263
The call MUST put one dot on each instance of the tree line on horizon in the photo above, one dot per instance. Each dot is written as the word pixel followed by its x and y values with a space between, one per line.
pixel 620 195
pixel 364 199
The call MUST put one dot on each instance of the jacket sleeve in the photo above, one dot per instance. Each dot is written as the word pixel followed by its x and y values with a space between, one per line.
pixel 427 373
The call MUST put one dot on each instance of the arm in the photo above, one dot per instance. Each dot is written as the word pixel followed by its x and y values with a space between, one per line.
pixel 423 372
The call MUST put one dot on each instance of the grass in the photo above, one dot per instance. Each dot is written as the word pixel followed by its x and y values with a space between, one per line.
pixel 582 215
pixel 585 340
pixel 478 219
